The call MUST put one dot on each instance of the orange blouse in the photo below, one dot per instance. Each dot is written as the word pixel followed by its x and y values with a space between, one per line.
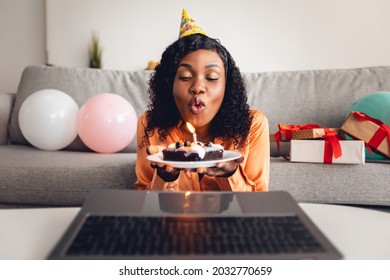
pixel 251 175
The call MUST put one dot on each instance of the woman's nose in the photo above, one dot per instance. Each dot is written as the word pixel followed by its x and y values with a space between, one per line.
pixel 197 87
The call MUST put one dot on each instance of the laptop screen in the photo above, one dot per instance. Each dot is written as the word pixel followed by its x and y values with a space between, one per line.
pixel 188 203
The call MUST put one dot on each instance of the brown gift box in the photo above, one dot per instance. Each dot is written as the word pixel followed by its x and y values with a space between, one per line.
pixel 365 130
pixel 314 133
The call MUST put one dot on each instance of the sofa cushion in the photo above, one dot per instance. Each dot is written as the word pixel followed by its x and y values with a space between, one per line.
pixel 81 84
pixel 317 96
pixel 32 176
pixel 6 102
pixel 60 178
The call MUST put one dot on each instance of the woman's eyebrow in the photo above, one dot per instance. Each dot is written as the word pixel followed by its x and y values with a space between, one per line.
pixel 185 65
pixel 212 65
pixel 207 66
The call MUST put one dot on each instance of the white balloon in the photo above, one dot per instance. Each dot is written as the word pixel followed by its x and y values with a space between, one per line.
pixel 48 119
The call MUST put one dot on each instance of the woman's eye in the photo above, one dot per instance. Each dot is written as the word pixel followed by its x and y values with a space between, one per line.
pixel 213 78
pixel 185 78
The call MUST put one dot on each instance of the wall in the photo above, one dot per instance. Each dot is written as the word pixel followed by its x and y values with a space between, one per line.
pixel 262 35
pixel 22 39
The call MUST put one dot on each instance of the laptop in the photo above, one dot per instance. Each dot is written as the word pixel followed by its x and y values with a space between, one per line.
pixel 130 224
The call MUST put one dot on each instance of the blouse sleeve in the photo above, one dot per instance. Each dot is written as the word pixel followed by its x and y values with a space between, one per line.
pixel 143 170
pixel 253 173
pixel 147 178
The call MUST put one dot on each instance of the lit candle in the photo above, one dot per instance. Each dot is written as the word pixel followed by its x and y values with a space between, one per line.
pixel 192 130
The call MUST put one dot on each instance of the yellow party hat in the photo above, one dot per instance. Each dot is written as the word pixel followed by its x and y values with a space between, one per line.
pixel 189 26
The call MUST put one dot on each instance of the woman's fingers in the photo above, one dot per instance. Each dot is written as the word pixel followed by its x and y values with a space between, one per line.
pixel 221 169
pixel 154 149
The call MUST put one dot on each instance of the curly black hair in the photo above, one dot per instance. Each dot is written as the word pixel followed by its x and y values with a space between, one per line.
pixel 233 119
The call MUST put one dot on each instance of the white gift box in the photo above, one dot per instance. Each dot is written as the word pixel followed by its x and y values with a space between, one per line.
pixel 313 151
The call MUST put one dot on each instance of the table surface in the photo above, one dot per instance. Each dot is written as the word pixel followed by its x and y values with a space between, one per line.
pixel 358 233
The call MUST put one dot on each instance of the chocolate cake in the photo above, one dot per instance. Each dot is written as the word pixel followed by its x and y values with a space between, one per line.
pixel 189 151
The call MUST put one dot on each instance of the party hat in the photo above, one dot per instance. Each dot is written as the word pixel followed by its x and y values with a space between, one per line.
pixel 189 26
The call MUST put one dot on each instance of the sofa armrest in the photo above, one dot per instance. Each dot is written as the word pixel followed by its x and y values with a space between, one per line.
pixel 6 104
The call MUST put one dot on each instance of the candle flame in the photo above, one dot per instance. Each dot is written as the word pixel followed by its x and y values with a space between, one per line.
pixel 190 127
pixel 187 202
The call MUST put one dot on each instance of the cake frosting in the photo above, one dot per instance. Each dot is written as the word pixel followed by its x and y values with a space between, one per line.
pixel 189 151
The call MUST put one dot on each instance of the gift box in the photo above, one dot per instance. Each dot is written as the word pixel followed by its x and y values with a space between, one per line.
pixel 285 131
pixel 314 133
pixel 373 132
pixel 320 151
pixel 299 134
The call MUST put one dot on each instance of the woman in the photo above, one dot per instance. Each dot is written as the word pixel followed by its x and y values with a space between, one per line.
pixel 198 82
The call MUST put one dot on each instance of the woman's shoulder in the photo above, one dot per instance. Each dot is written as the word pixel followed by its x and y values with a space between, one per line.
pixel 142 119
pixel 257 115
pixel 259 122
pixel 143 116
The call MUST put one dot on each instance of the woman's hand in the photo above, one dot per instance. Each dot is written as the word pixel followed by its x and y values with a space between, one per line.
pixel 221 169
pixel 165 172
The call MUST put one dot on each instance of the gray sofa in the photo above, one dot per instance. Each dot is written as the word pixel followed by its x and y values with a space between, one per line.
pixel 29 176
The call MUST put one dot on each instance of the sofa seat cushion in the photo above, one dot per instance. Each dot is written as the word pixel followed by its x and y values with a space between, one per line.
pixel 362 184
pixel 62 178
pixel 65 178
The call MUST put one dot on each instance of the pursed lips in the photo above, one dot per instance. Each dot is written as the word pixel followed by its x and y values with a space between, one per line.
pixel 197 105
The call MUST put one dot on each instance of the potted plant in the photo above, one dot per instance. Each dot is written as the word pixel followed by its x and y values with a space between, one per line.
pixel 95 52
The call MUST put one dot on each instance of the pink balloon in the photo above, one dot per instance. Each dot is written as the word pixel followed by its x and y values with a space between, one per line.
pixel 106 123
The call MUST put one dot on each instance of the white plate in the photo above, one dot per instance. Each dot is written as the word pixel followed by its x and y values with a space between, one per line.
pixel 227 155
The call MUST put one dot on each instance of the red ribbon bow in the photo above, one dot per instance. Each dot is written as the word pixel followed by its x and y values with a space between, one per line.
pixel 332 145
pixel 380 134
pixel 288 130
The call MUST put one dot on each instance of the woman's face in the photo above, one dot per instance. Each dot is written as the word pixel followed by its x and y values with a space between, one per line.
pixel 199 87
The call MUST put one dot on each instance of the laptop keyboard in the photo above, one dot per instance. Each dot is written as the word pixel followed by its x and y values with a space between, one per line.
pixel 124 235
